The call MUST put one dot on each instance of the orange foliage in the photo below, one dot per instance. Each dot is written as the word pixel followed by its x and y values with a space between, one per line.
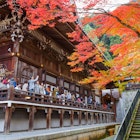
pixel 46 12
pixel 124 22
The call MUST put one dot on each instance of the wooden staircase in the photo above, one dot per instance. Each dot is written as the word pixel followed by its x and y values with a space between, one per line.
pixel 134 130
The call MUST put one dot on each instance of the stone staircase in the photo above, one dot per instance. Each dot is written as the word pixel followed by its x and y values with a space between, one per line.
pixel 135 127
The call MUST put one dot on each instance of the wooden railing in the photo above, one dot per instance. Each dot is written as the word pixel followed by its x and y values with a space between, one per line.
pixel 19 95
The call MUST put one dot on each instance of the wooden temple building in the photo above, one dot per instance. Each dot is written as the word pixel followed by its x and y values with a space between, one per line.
pixel 43 52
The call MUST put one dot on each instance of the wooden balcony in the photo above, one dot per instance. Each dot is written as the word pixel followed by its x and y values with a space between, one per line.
pixel 38 111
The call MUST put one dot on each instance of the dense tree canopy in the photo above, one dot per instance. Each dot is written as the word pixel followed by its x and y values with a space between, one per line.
pixel 116 33
pixel 45 12
pixel 111 38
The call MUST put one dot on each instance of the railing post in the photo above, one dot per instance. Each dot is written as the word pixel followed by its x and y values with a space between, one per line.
pixel 10 93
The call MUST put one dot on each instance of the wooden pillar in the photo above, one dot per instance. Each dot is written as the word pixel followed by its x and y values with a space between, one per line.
pixel 91 114
pixel 94 118
pixel 71 117
pixel 7 121
pixel 15 57
pixel 107 118
pixel 41 66
pixel 61 117
pixel 11 93
pixel 48 117
pixel 103 121
pixel 86 117
pixel 101 117
pixel 31 118
pixel 80 117
pixel 97 118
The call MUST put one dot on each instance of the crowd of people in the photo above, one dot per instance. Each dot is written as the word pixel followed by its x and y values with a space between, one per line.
pixel 34 86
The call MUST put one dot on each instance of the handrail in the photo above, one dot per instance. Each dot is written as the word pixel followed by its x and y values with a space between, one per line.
pixel 26 96
pixel 122 130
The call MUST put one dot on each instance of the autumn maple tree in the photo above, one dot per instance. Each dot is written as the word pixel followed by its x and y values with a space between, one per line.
pixel 121 25
pixel 108 43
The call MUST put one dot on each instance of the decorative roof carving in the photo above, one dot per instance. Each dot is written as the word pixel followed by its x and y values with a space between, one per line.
pixel 5 24
pixel 49 45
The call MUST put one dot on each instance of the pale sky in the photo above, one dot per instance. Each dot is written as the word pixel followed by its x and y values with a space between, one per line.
pixel 112 4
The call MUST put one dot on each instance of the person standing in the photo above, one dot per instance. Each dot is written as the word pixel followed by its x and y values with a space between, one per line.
pixel 42 89
pixel 37 87
pixel 12 82
pixel 31 83
pixel 25 86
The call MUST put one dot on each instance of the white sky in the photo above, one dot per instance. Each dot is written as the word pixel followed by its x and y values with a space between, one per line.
pixel 112 4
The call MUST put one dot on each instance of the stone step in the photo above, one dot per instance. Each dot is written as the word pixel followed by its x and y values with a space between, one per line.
pixel 134 136
pixel 135 132
pixel 133 139
pixel 136 126
pixel 137 118
pixel 136 121
pixel 135 129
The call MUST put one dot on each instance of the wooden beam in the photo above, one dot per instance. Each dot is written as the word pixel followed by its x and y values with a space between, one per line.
pixel 48 118
pixel 86 117
pixel 8 115
pixel 91 114
pixel 80 117
pixel 31 118
pixel 72 117
pixel 63 36
pixel 61 117
pixel 97 118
